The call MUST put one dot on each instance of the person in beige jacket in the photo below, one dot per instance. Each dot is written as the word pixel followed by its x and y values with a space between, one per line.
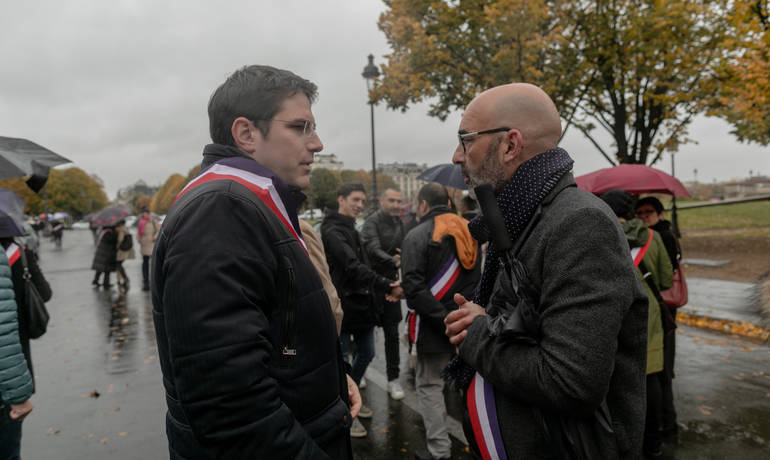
pixel 123 254
pixel 315 249
pixel 146 234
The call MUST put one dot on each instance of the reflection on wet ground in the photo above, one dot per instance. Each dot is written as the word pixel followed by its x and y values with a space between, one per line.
pixel 99 391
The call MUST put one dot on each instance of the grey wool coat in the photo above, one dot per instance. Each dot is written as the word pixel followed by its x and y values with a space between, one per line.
pixel 593 330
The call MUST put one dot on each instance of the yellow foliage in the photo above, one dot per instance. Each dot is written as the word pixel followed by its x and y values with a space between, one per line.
pixel 167 193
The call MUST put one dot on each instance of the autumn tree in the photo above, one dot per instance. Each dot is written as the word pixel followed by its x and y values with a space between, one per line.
pixel 383 180
pixel 167 193
pixel 744 91
pixel 323 188
pixel 637 70
pixel 70 190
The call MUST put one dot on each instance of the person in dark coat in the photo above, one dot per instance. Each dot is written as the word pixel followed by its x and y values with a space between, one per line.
pixel 650 210
pixel 357 284
pixel 246 337
pixel 382 235
pixel 583 360
pixel 440 258
pixel 105 257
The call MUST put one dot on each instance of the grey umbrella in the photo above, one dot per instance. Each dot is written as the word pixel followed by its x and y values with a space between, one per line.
pixel 11 214
pixel 445 174
pixel 20 157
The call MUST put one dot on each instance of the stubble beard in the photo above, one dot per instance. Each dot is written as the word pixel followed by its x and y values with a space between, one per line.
pixel 490 171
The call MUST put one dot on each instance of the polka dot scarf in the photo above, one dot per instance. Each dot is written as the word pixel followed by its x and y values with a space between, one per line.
pixel 530 184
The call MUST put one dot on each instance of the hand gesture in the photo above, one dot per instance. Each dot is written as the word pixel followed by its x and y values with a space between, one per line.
pixel 457 322
pixel 396 292
pixel 355 397
pixel 19 411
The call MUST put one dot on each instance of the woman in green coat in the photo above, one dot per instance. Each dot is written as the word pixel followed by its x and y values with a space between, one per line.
pixel 649 255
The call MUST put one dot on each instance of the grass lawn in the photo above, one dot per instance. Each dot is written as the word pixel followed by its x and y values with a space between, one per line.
pixel 742 215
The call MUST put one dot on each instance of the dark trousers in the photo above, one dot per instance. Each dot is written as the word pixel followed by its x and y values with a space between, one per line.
pixel 652 438
pixel 391 318
pixel 669 426
pixel 145 269
pixel 10 435
pixel 122 272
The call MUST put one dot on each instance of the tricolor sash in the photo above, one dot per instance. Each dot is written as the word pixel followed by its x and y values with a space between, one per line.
pixel 438 286
pixel 13 253
pixel 57 228
pixel 261 186
pixel 637 254
pixel 480 400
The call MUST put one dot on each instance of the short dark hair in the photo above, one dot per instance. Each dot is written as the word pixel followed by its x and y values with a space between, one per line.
pixel 255 92
pixel 468 203
pixel 620 201
pixel 395 189
pixel 652 201
pixel 350 187
pixel 434 194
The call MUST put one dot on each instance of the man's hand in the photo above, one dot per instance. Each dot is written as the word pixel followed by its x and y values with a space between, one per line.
pixel 19 411
pixel 396 292
pixel 355 397
pixel 457 322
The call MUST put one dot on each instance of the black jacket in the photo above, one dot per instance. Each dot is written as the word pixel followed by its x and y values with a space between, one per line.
pixel 663 227
pixel 422 260
pixel 246 337
pixel 382 235
pixel 106 251
pixel 356 283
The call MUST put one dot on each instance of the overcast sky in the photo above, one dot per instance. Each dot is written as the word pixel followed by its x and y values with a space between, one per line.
pixel 121 87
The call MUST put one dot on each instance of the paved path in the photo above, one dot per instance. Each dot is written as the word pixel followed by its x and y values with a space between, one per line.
pixel 720 299
pixel 99 343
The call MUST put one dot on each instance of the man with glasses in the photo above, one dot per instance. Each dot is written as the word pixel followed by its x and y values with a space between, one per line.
pixel 246 337
pixel 576 358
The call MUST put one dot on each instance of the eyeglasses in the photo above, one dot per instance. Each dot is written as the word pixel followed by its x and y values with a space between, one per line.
pixel 466 136
pixel 306 127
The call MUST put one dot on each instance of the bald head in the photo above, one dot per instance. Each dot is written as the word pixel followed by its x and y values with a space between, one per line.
pixel 524 107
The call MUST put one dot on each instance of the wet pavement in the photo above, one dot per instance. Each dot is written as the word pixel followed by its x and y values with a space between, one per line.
pixel 720 299
pixel 99 392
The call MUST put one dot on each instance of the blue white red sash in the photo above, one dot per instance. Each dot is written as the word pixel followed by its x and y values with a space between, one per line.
pixel 438 286
pixel 261 186
pixel 13 253
pixel 483 414
pixel 637 254
pixel 58 227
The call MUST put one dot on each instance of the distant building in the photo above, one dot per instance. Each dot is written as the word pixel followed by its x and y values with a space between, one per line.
pixel 405 175
pixel 327 161
pixel 126 194
pixel 746 188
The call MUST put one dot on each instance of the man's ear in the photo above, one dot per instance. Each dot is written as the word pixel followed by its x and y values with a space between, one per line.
pixel 513 146
pixel 243 132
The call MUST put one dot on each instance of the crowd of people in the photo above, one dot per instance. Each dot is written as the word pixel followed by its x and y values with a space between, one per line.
pixel 548 319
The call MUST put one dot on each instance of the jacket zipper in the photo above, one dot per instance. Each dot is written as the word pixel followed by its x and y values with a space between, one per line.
pixel 288 348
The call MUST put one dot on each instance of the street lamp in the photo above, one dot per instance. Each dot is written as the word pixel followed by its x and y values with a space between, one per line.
pixel 370 73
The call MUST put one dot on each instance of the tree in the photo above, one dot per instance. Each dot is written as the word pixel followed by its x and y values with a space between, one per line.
pixel 383 180
pixel 744 93
pixel 638 70
pixel 323 188
pixel 70 190
pixel 167 193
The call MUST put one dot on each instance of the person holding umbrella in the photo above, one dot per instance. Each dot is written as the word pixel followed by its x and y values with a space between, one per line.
pixel 15 313
pixel 105 257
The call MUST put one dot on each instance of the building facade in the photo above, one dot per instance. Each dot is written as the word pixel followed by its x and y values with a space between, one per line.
pixel 405 175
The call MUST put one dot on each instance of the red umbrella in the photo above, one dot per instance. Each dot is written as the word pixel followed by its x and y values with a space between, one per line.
pixel 633 179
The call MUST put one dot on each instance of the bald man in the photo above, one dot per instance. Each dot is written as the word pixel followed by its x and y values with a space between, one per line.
pixel 586 361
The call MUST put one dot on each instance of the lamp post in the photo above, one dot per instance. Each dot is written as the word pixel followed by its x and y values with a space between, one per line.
pixel 370 73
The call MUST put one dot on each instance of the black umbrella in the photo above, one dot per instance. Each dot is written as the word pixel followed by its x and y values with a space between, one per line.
pixel 20 157
pixel 445 174
pixel 11 214
pixel 110 215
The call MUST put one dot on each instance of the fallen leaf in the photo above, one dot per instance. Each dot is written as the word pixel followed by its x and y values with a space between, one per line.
pixel 104 440
pixel 117 409
pixel 94 394
pixel 122 433
pixel 403 450
pixel 703 410
pixel 88 436
pixel 383 431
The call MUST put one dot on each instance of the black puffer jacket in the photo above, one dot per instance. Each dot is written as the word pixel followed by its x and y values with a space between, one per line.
pixel 106 251
pixel 423 259
pixel 246 338
pixel 356 283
